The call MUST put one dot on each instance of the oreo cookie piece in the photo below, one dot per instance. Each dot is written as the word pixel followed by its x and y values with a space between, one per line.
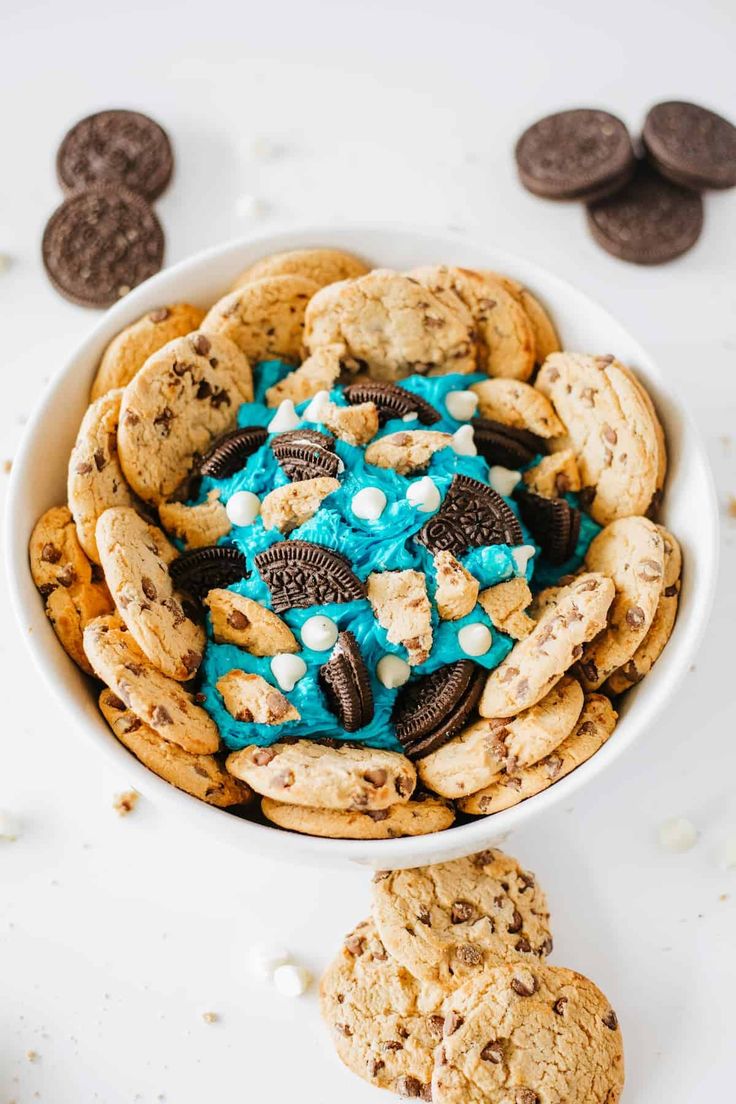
pixel 691 145
pixel 202 569
pixel 433 708
pixel 100 243
pixel 391 401
pixel 506 445
pixel 579 154
pixel 229 453
pixel 650 221
pixel 553 522
pixel 471 516
pixel 121 148
pixel 301 574
pixel 347 685
pixel 306 454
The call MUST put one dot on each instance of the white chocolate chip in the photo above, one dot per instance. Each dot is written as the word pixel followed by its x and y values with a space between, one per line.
pixel 461 405
pixel 285 418
pixel 291 980
pixel 243 508
pixel 522 556
pixel 319 633
pixel 503 480
pixel 678 834
pixel 287 670
pixel 728 854
pixel 392 671
pixel 475 639
pixel 463 441
pixel 250 206
pixel 265 958
pixel 318 408
pixel 9 826
pixel 369 503
pixel 424 494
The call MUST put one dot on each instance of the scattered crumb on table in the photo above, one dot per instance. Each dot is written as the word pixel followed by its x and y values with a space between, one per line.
pixel 7 466
pixel 32 1055
pixel 731 506
pixel 210 1017
pixel 125 803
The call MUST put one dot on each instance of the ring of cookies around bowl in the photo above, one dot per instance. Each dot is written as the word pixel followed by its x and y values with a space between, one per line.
pixel 366 544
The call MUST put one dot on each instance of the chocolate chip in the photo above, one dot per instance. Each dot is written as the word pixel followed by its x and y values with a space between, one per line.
pixel 559 1006
pixel 191 660
pixel 493 1052
pixel 610 1020
pixel 435 1026
pixel 263 756
pixel 201 344
pixel 452 1022
pixel 525 1096
pixel 161 716
pixel 148 588
pixel 67 576
pixel 516 922
pixel 524 986
pixel 635 617
pixel 469 954
pixel 461 912
pixel 50 553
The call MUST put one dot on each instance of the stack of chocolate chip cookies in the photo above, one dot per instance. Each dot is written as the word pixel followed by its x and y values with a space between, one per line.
pixel 445 994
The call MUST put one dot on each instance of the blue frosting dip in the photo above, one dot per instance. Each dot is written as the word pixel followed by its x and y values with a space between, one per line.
pixel 382 545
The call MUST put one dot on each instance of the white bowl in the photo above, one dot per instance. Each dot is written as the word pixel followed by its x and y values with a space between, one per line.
pixel 39 481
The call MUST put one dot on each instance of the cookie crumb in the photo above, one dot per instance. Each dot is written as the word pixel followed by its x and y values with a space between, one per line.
pixel 5 262
pixel 210 1017
pixel 7 466
pixel 679 834
pixel 32 1055
pixel 291 980
pixel 126 802
pixel 731 507
pixel 9 827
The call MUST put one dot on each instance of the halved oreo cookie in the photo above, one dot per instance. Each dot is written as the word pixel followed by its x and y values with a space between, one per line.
pixel 471 516
pixel 301 574
pixel 432 709
pixel 506 445
pixel 229 453
pixel 201 569
pixel 392 401
pixel 553 522
pixel 306 454
pixel 347 685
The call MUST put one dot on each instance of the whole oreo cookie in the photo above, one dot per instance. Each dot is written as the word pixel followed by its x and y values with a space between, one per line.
pixel 120 148
pixel 347 685
pixel 301 574
pixel 553 522
pixel 100 243
pixel 231 451
pixel 432 709
pixel 691 145
pixel 306 454
pixel 203 569
pixel 579 154
pixel 650 221
pixel 472 515
pixel 391 401
pixel 506 445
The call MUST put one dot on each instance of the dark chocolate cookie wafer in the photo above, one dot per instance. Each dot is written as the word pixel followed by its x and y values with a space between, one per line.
pixel 121 148
pixel 202 569
pixel 301 574
pixel 650 221
pixel 347 685
pixel 391 401
pixel 100 243
pixel 471 515
pixel 691 145
pixel 432 709
pixel 553 522
pixel 580 154
pixel 306 454
pixel 231 451
pixel 506 445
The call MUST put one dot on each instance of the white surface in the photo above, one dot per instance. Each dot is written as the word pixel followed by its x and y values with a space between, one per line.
pixel 116 935
pixel 38 482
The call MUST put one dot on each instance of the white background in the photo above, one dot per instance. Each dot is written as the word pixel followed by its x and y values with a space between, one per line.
pixel 117 934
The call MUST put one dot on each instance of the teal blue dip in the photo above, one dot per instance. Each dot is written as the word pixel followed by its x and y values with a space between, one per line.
pixel 385 544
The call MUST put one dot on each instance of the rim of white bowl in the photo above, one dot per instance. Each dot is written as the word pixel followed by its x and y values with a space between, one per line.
pixel 239 831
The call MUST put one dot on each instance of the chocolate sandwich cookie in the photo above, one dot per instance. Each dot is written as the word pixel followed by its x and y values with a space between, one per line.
pixel 506 445
pixel 306 454
pixel 432 709
pixel 391 401
pixel 301 574
pixel 230 452
pixel 579 154
pixel 100 243
pixel 471 516
pixel 553 522
pixel 690 145
pixel 650 221
pixel 121 148
pixel 203 569
pixel 347 685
